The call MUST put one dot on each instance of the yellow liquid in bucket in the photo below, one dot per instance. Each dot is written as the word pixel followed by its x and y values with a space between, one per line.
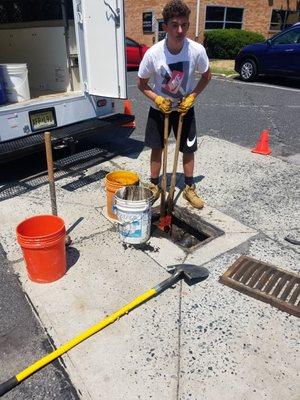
pixel 124 178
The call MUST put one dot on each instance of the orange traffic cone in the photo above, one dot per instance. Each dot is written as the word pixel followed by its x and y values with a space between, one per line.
pixel 262 146
pixel 127 111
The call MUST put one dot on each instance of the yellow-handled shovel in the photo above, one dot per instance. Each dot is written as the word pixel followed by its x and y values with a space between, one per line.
pixel 187 271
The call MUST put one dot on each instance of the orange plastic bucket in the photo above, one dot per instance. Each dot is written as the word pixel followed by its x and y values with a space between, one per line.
pixel 42 240
pixel 116 180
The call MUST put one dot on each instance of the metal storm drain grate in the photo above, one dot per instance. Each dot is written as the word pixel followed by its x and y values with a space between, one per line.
pixel 76 158
pixel 189 231
pixel 265 282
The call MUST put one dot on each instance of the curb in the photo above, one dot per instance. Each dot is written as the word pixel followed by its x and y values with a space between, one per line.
pixel 224 75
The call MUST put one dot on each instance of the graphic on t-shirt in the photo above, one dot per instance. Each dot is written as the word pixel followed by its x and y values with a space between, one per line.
pixel 175 79
pixel 173 83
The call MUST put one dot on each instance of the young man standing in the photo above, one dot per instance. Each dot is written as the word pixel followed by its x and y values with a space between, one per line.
pixel 172 63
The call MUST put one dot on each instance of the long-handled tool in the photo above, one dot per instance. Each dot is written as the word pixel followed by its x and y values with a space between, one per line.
pixel 165 223
pixel 48 145
pixel 187 271
pixel 162 220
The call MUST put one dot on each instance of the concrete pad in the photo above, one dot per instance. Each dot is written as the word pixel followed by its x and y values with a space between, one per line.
pixel 233 346
pixel 14 212
pixel 141 165
pixel 133 358
pixel 235 233
pixel 253 189
pixel 226 339
pixel 165 252
pixel 82 188
pixel 92 221
pixel 257 190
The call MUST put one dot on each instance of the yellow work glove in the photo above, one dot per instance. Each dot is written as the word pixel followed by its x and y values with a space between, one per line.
pixel 186 103
pixel 163 104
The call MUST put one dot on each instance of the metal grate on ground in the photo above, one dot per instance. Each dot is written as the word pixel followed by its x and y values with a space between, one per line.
pixel 73 159
pixel 265 282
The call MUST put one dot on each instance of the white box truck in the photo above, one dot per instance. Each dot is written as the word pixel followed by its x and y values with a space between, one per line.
pixel 62 63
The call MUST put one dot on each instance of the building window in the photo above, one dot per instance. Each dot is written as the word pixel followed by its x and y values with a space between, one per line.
pixel 223 17
pixel 161 34
pixel 282 19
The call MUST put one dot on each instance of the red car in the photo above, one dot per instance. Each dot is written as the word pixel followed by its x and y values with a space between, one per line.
pixel 134 53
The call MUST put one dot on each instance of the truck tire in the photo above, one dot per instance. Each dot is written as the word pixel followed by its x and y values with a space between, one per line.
pixel 248 70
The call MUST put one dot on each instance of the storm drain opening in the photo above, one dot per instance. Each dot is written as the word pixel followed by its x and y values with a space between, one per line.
pixel 189 231
pixel 265 282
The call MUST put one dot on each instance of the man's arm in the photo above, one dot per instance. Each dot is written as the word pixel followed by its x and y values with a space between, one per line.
pixel 144 87
pixel 165 105
pixel 203 82
pixel 189 101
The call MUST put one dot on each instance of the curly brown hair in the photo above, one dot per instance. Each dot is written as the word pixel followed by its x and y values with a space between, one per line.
pixel 175 8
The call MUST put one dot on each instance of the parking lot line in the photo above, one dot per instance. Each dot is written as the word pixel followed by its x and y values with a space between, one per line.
pixel 258 84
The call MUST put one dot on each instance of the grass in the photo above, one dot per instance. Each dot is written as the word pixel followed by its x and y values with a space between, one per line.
pixel 224 67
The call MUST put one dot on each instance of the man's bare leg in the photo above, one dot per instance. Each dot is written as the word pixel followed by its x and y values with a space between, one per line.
pixel 188 160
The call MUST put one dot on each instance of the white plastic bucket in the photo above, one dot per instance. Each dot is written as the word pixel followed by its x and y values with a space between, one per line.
pixel 15 79
pixel 132 204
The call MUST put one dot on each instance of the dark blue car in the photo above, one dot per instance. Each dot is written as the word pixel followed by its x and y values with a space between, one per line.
pixel 279 55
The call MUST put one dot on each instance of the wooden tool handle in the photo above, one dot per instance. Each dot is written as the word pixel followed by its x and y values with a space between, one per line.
pixel 48 145
pixel 173 179
pixel 47 136
pixel 164 172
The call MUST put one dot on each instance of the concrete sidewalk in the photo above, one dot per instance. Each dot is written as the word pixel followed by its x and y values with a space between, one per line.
pixel 192 342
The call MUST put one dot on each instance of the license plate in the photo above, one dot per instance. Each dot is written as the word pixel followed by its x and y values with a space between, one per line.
pixel 42 119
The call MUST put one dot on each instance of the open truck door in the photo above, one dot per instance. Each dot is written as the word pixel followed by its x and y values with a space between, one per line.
pixel 92 52
pixel 104 46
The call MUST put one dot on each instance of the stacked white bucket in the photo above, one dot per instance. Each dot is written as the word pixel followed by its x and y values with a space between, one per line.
pixel 15 82
pixel 134 213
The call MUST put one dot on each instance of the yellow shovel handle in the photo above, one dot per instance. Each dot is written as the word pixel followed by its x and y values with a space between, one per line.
pixel 12 382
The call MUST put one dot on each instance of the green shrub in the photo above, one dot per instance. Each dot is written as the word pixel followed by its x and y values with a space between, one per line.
pixel 226 43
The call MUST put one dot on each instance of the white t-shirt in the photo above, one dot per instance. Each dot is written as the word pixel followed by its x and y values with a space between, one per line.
pixel 174 74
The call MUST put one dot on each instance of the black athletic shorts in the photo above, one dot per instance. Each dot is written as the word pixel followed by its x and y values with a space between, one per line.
pixel 154 136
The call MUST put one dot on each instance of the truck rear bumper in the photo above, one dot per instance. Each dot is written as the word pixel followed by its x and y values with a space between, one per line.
pixel 17 148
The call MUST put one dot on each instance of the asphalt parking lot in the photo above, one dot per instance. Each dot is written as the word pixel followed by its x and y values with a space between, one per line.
pixel 237 112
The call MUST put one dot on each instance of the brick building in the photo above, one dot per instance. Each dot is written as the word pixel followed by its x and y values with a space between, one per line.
pixel 144 19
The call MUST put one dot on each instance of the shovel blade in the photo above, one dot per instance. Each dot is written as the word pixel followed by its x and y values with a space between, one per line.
pixel 189 271
pixel 165 223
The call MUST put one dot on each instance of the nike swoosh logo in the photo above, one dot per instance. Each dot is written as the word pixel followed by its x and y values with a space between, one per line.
pixel 190 142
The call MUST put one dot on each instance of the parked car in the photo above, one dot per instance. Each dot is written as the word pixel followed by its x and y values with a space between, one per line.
pixel 279 55
pixel 134 52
